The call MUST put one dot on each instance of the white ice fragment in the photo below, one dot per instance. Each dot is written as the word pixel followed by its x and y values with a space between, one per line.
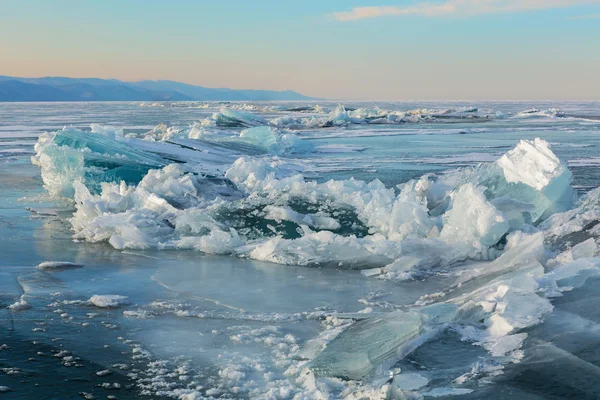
pixel 170 182
pixel 111 132
pixel 401 266
pixel 338 117
pixel 50 265
pixel 109 300
pixel 504 345
pixel 104 372
pixel 19 305
pixel 197 131
pixel 532 163
pixel 409 216
pixel 163 132
pixel 472 219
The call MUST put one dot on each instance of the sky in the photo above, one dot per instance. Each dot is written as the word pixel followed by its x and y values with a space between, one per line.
pixel 337 49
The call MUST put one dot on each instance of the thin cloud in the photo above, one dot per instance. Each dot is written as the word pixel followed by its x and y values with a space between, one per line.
pixel 457 7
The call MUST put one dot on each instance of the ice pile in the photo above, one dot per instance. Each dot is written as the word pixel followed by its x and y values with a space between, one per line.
pixel 150 214
pixel 108 300
pixel 163 132
pixel 267 212
pixel 106 155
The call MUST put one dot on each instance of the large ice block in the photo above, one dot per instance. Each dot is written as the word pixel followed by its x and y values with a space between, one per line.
pixel 71 154
pixel 366 344
pixel 360 348
pixel 533 174
pixel 473 220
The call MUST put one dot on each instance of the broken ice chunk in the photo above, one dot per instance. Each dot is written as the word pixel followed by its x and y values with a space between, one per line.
pixel 532 163
pixel 359 349
pixel 473 220
pixel 355 352
pixel 262 136
pixel 537 176
pixel 338 117
pixel 108 300
pixel 73 155
pixel 20 305
pixel 57 265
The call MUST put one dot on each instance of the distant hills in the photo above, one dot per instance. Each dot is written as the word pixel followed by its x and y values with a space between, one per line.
pixel 94 89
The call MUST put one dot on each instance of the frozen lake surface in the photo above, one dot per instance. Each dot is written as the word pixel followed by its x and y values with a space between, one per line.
pixel 300 250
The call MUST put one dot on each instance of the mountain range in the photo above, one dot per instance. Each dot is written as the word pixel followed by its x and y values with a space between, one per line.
pixel 95 89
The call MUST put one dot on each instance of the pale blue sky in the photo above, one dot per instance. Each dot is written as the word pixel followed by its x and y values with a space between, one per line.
pixel 392 50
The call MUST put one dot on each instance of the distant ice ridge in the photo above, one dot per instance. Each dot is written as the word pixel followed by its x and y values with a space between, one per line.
pixel 240 116
pixel 314 116
pixel 552 113
pixel 340 116
pixel 265 138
